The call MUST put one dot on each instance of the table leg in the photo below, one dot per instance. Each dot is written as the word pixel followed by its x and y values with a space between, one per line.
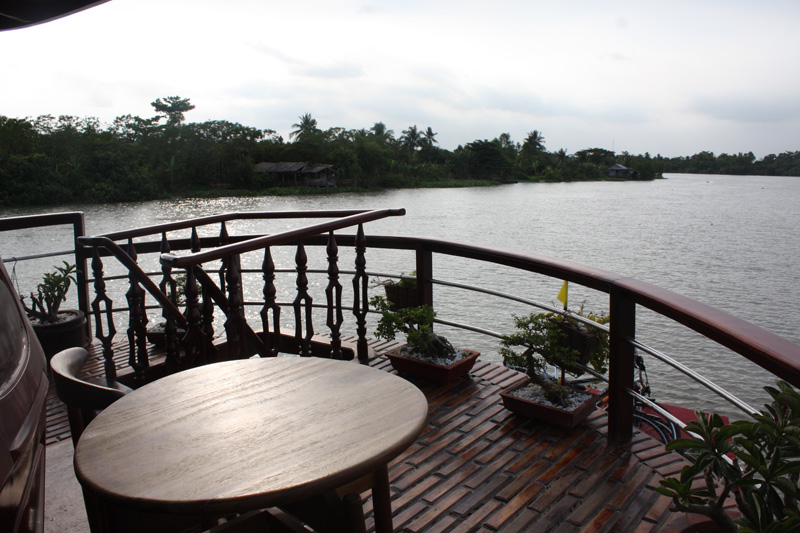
pixel 381 500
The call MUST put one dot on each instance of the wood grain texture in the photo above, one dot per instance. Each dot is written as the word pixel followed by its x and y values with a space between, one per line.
pixel 247 434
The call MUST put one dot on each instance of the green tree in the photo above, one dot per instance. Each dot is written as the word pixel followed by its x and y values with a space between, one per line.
pixel 173 107
pixel 411 139
pixel 379 129
pixel 306 126
pixel 430 137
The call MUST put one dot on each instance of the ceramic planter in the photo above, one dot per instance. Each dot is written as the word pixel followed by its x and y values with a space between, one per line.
pixel 432 371
pixel 57 336
pixel 400 297
pixel 547 413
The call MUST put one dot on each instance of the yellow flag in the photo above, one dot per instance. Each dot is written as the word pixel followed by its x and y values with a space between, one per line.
pixel 562 294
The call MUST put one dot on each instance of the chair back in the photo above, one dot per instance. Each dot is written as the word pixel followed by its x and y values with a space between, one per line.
pixel 82 398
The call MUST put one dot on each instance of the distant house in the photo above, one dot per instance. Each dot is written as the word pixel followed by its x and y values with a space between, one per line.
pixel 300 174
pixel 623 172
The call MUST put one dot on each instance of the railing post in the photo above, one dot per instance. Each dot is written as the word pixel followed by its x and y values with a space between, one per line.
pixel 82 276
pixel 621 366
pixel 333 293
pixel 235 324
pixel 103 304
pixel 137 322
pixel 270 304
pixel 196 347
pixel 169 287
pixel 361 296
pixel 424 276
pixel 302 304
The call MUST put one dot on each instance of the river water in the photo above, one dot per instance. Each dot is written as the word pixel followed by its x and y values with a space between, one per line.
pixel 728 241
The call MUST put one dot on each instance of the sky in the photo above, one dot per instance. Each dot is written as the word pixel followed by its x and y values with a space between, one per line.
pixel 670 78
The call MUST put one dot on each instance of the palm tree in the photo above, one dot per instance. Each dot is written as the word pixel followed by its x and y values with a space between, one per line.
pixel 411 139
pixel 305 126
pixel 380 130
pixel 430 139
pixel 534 142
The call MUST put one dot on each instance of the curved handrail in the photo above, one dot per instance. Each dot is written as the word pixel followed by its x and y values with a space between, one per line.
pixel 157 229
pixel 768 350
pixel 258 243
pixel 137 272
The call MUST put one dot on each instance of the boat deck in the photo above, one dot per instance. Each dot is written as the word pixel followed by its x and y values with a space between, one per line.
pixel 478 467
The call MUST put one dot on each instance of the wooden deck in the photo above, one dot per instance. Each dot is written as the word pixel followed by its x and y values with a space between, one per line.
pixel 477 467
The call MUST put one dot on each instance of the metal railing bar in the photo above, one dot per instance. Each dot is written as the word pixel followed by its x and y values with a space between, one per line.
pixel 657 408
pixel 527 301
pixel 741 405
pixel 37 256
pixel 468 328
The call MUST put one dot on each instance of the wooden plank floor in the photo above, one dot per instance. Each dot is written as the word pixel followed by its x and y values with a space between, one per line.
pixel 478 467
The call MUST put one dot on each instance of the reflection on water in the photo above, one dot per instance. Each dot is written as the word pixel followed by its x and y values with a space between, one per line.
pixel 724 240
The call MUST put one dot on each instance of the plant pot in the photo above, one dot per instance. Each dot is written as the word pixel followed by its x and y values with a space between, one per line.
pixel 691 524
pixel 580 339
pixel 400 297
pixel 432 371
pixel 547 413
pixel 157 335
pixel 68 332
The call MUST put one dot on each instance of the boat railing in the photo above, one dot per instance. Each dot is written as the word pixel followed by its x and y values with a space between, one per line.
pixel 221 257
pixel 197 345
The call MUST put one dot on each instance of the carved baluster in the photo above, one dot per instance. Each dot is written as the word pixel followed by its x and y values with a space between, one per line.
pixel 303 302
pixel 194 343
pixel 223 240
pixel 208 323
pixel 170 289
pixel 333 292
pixel 195 241
pixel 234 325
pixel 361 296
pixel 270 303
pixel 137 322
pixel 102 304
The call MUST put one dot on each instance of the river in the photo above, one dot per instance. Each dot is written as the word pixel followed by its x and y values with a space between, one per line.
pixel 728 241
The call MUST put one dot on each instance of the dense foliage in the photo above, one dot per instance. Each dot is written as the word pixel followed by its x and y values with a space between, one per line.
pixel 755 461
pixel 48 160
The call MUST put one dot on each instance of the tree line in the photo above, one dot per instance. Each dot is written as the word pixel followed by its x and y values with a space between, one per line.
pixel 47 160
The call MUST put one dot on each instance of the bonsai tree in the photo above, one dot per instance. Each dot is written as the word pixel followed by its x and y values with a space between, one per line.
pixel 558 341
pixel 50 293
pixel 756 461
pixel 417 325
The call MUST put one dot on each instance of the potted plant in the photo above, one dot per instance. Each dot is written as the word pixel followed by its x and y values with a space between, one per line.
pixel 560 342
pixel 425 353
pixel 402 293
pixel 55 328
pixel 756 462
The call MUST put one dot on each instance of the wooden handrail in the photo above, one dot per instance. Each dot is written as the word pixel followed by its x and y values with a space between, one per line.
pixel 259 243
pixel 158 229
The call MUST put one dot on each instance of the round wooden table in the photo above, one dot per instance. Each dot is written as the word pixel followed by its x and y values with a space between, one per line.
pixel 242 435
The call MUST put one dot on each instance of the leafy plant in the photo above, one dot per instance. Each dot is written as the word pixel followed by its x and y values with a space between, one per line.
pixel 417 325
pixel 755 461
pixel 551 340
pixel 50 293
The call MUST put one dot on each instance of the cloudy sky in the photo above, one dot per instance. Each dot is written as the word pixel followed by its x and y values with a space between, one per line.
pixel 673 78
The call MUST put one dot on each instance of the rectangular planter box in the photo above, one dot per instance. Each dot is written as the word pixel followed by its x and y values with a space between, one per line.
pixel 432 371
pixel 546 413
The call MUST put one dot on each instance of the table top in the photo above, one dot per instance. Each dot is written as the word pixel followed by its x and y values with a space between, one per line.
pixel 253 433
